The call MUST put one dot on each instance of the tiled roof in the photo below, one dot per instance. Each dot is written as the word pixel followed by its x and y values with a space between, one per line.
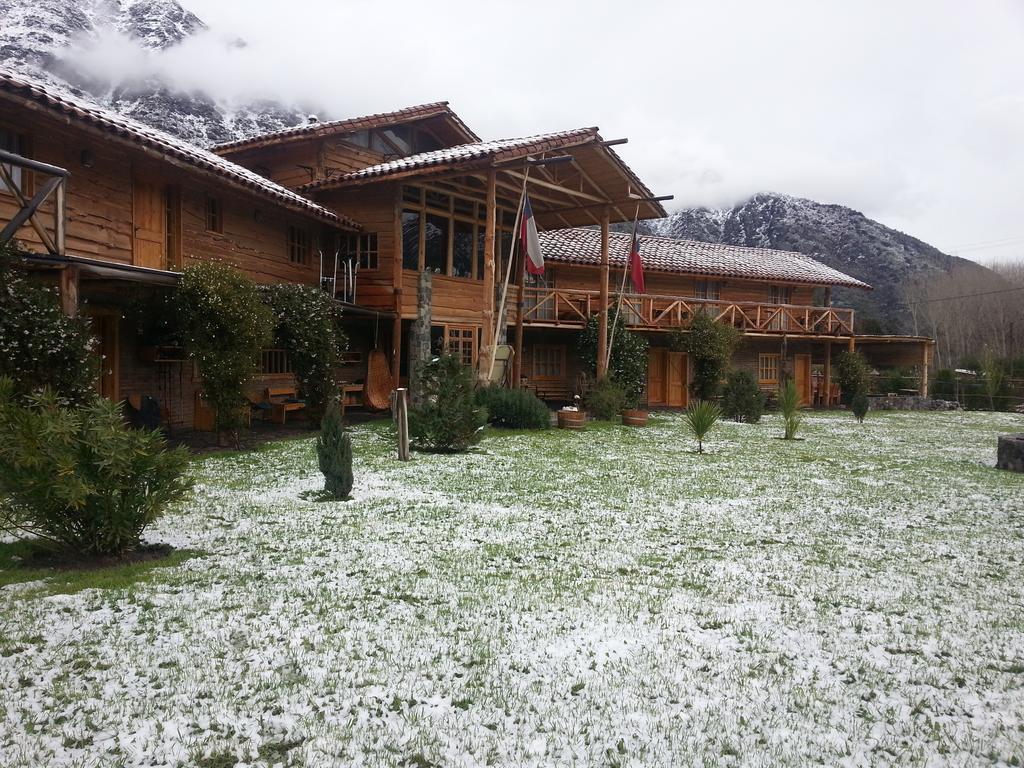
pixel 156 140
pixel 349 125
pixel 666 254
pixel 526 145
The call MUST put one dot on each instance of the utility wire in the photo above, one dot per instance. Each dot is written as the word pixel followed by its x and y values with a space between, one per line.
pixel 967 295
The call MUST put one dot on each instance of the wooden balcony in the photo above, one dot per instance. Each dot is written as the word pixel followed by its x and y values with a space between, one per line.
pixel 571 307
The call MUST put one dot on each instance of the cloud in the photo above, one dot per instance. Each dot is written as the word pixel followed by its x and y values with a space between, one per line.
pixel 911 111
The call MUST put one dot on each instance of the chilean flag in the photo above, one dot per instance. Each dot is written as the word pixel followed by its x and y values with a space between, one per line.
pixel 636 267
pixel 529 241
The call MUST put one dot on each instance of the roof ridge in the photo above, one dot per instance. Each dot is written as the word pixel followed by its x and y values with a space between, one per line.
pixel 712 243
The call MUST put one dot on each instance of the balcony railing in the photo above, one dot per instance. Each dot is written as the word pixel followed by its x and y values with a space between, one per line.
pixel 572 307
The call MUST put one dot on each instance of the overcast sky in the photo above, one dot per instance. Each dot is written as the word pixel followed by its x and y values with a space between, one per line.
pixel 910 111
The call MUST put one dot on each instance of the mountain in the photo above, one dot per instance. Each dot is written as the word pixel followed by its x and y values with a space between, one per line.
pixel 888 260
pixel 37 37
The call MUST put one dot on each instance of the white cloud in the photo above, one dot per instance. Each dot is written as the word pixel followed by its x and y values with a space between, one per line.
pixel 911 111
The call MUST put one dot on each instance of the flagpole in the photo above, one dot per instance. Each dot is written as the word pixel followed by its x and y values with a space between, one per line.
pixel 508 275
pixel 622 290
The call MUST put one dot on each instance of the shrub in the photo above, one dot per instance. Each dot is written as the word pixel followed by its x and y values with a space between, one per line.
pixel 334 453
pixel 225 327
pixel 514 408
pixel 40 346
pixel 701 416
pixel 78 477
pixel 853 374
pixel 628 364
pixel 742 399
pixel 860 406
pixel 789 404
pixel 447 418
pixel 605 400
pixel 993 378
pixel 308 327
pixel 710 345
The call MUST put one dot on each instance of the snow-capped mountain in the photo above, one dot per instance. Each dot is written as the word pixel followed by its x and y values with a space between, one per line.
pixel 841 237
pixel 37 37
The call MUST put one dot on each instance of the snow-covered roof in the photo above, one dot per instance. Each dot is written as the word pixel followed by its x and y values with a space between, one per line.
pixel 461 153
pixel 173 148
pixel 666 254
pixel 350 125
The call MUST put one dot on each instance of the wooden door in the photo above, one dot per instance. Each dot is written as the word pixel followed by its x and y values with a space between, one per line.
pixel 149 224
pixel 656 363
pixel 675 389
pixel 107 352
pixel 802 374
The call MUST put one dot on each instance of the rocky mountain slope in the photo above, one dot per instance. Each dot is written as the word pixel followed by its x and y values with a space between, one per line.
pixel 36 37
pixel 841 237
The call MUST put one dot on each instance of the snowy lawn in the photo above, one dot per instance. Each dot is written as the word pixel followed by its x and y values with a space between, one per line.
pixel 598 598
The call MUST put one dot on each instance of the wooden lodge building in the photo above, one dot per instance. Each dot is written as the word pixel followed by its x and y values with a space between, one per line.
pixel 418 214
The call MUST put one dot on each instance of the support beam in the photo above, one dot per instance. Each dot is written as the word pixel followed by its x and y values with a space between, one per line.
pixel 602 311
pixel 926 349
pixel 517 358
pixel 487 311
pixel 68 287
pixel 828 374
pixel 396 273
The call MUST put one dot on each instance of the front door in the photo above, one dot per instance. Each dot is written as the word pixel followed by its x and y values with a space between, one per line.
pixel 149 210
pixel 676 380
pixel 104 327
pixel 802 374
pixel 656 363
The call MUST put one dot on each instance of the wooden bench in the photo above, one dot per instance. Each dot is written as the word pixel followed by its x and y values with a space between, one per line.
pixel 551 391
pixel 282 401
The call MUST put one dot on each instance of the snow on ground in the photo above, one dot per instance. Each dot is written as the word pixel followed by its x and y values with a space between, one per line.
pixel 598 598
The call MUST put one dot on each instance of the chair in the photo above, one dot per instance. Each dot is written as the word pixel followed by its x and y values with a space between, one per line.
pixel 379 383
pixel 502 368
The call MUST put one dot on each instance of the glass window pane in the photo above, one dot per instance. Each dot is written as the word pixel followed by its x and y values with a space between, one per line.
pixel 480 252
pixel 437 243
pixel 411 240
pixel 463 207
pixel 437 200
pixel 462 258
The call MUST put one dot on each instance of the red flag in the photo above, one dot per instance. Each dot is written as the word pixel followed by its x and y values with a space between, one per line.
pixel 636 267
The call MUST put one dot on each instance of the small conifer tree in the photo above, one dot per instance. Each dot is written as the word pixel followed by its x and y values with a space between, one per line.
pixel 859 406
pixel 334 451
pixel 447 418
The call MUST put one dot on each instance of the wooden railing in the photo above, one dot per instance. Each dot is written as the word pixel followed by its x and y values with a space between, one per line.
pixel 572 307
pixel 52 182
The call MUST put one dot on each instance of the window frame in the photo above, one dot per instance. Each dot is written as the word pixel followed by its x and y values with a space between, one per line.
pixel 213 215
pixel 299 245
pixel 559 352
pixel 468 333
pixel 770 362
pixel 22 177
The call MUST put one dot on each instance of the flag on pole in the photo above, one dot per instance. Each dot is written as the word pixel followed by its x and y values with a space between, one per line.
pixel 529 240
pixel 636 267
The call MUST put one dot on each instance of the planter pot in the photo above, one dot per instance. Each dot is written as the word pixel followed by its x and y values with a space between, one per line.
pixel 634 417
pixel 572 419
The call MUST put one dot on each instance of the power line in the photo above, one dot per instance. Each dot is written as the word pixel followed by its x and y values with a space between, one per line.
pixel 988 243
pixel 967 295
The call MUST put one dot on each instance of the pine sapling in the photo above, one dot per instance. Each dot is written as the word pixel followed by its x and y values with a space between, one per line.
pixel 334 451
pixel 859 406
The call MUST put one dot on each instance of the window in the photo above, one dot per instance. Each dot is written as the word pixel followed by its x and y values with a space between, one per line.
pixel 780 294
pixel 214 215
pixel 435 253
pixel 707 289
pixel 537 305
pixel 18 144
pixel 368 254
pixel 768 369
pixel 548 362
pixel 411 240
pixel 462 249
pixel 172 227
pixel 461 340
pixel 299 245
pixel 275 362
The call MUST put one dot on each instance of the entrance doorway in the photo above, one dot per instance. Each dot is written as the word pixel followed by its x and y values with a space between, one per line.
pixel 802 375
pixel 667 381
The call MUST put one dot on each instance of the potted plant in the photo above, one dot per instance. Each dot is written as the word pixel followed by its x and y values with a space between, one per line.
pixel 572 416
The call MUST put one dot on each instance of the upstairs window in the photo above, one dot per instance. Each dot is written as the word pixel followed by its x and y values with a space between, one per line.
pixel 780 294
pixel 16 143
pixel 214 215
pixel 299 245
pixel 362 249
pixel 708 289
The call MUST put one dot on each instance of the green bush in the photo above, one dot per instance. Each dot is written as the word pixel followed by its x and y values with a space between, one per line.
pixel 334 453
pixel 710 345
pixel 701 416
pixel 860 406
pixel 40 346
pixel 742 399
pixel 789 404
pixel 78 477
pixel 513 408
pixel 605 400
pixel 308 327
pixel 447 418
pixel 628 364
pixel 225 326
pixel 853 374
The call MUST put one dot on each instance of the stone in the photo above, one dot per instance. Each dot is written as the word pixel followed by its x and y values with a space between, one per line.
pixel 1011 453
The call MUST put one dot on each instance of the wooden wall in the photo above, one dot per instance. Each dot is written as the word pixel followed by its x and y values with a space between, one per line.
pixel 300 162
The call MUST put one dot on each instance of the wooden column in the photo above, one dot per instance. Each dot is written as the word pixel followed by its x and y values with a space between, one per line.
pixel 68 287
pixel 925 350
pixel 853 343
pixel 487 313
pixel 602 312
pixel 396 281
pixel 517 358
pixel 828 374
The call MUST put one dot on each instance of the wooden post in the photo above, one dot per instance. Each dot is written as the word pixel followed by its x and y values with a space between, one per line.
pixel 602 310
pixel 517 358
pixel 60 216
pixel 396 281
pixel 828 374
pixel 487 313
pixel 925 349
pixel 402 418
pixel 68 287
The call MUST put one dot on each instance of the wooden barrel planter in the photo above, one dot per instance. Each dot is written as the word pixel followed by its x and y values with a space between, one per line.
pixel 634 417
pixel 572 419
